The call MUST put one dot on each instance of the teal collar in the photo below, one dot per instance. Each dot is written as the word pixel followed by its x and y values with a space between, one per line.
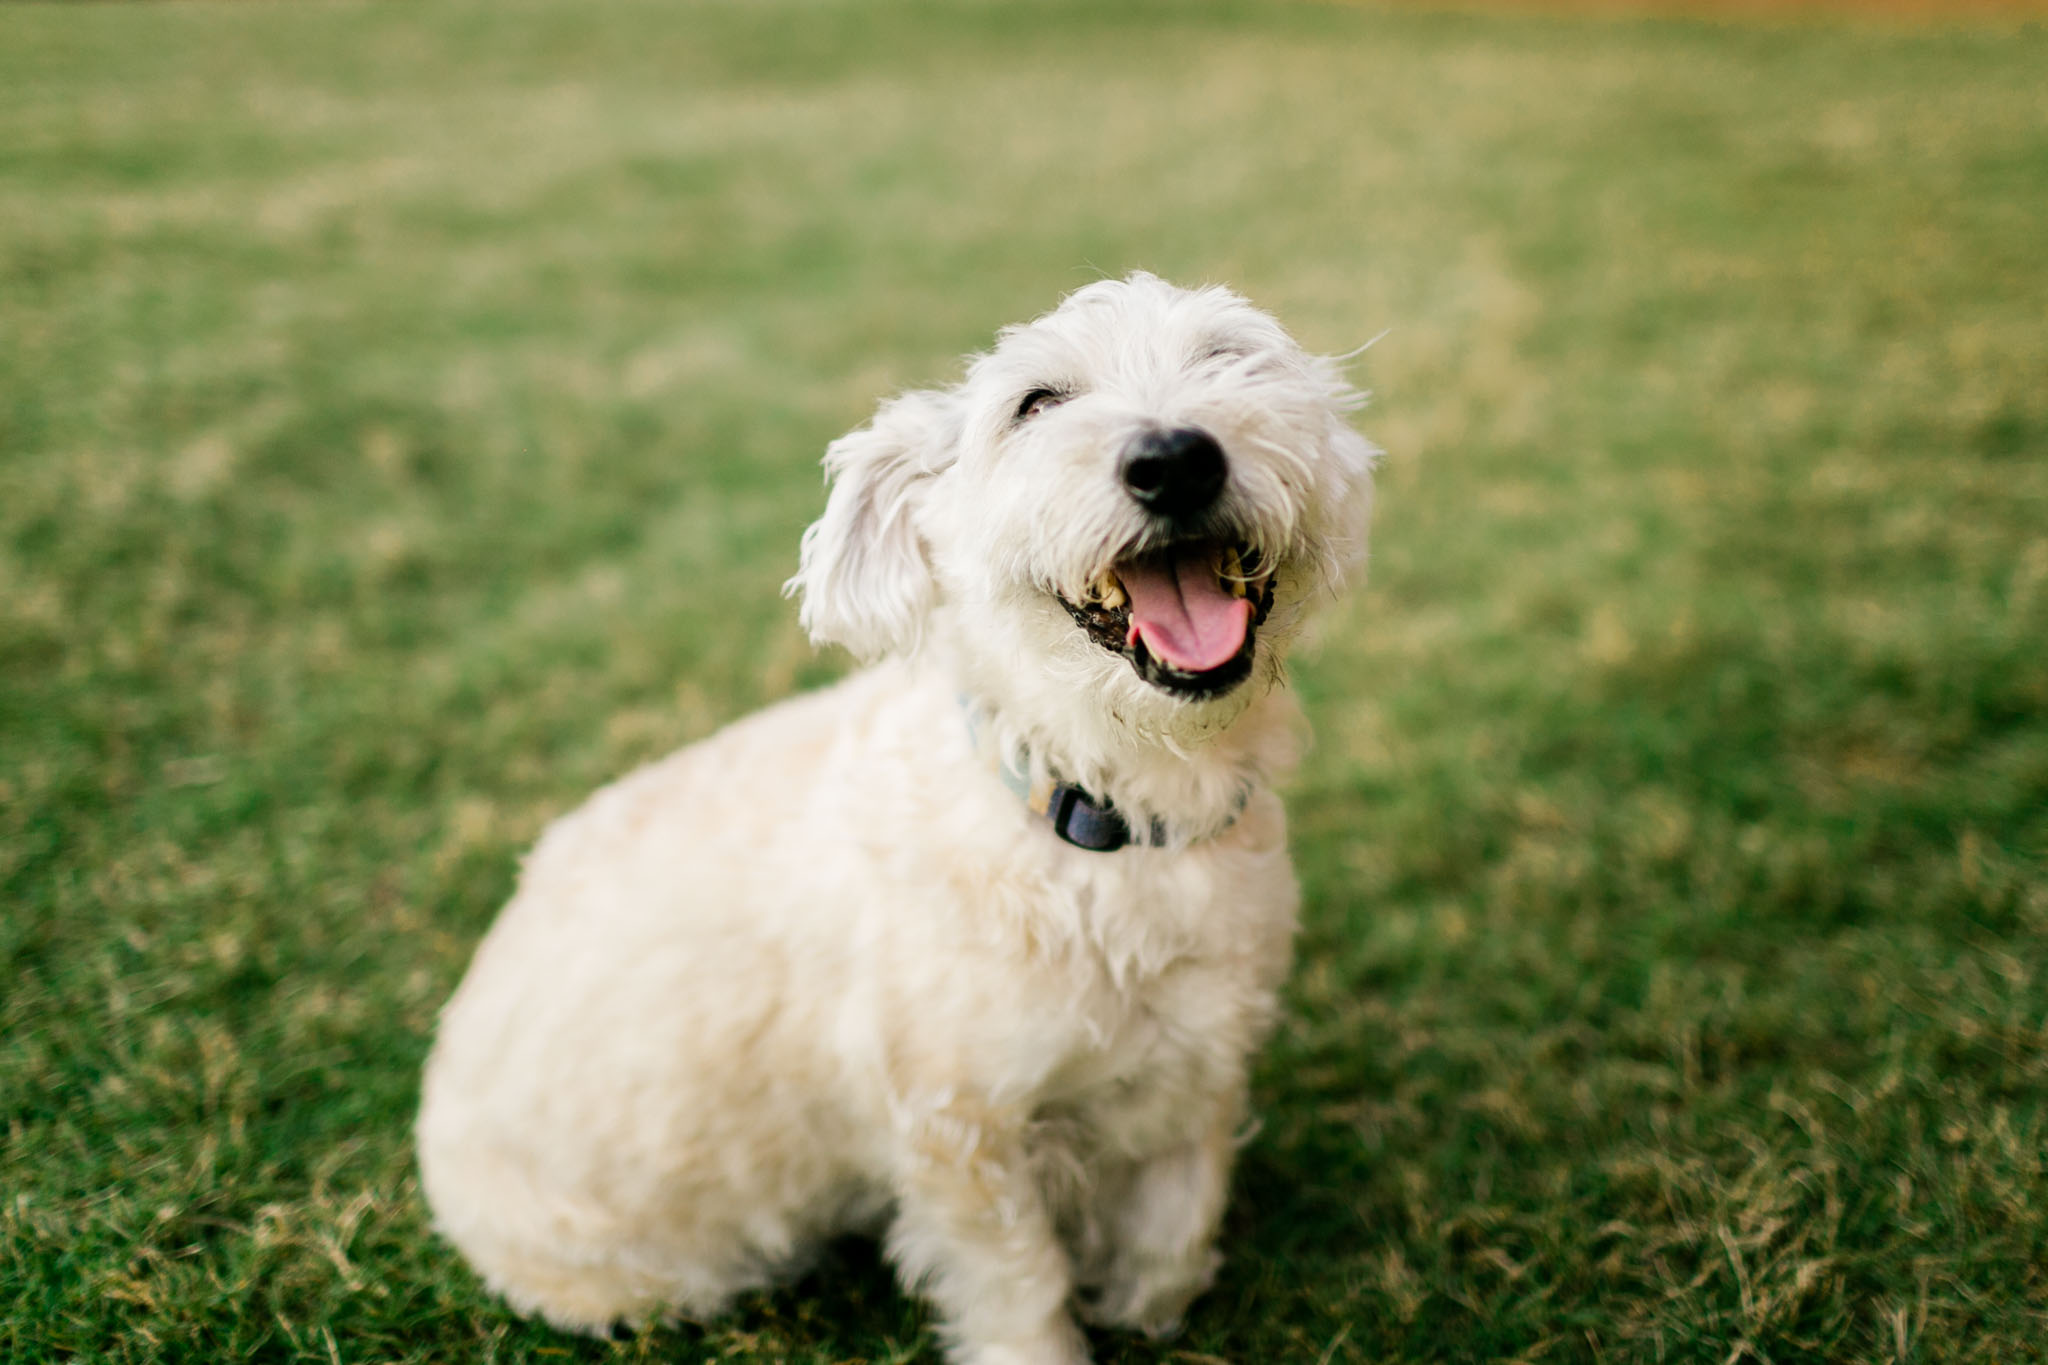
pixel 1077 816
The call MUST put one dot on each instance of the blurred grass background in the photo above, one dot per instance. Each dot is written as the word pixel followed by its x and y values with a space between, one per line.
pixel 408 413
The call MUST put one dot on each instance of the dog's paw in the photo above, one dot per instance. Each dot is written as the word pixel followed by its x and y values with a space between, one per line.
pixel 1151 1298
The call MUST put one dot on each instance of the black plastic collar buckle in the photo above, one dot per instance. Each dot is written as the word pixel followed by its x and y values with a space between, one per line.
pixel 1082 823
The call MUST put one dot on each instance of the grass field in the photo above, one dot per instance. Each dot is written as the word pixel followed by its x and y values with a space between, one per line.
pixel 407 415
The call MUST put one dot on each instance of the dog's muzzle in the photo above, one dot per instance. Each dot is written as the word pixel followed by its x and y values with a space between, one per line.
pixel 1185 604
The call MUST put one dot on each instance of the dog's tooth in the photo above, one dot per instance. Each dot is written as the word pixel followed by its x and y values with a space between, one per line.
pixel 1104 591
pixel 1230 569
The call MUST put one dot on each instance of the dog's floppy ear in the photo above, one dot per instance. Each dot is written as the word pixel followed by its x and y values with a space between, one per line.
pixel 864 573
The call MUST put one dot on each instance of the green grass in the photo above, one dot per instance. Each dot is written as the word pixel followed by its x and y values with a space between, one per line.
pixel 408 413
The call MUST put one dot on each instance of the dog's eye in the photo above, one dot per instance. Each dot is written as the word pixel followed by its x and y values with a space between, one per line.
pixel 1230 355
pixel 1038 400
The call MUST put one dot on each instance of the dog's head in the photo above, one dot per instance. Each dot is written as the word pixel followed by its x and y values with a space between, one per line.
pixel 1137 496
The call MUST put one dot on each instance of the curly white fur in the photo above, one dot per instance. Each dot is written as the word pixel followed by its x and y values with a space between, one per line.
pixel 823 971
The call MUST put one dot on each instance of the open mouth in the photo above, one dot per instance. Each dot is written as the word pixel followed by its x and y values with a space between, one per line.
pixel 1185 615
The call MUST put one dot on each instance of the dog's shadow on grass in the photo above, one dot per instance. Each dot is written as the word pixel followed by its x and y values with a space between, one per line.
pixel 845 1306
pixel 849 1306
pixel 1286 1239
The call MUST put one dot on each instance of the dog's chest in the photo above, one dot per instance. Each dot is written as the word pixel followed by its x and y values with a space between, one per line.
pixel 1156 1016
pixel 1143 1057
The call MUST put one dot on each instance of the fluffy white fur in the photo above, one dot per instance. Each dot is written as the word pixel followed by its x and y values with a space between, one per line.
pixel 824 972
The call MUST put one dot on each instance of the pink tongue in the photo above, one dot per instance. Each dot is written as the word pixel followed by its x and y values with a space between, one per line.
pixel 1182 613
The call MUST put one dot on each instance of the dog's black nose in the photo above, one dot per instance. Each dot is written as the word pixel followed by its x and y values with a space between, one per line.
pixel 1174 473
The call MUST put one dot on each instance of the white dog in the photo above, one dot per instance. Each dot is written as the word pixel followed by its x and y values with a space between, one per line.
pixel 973 947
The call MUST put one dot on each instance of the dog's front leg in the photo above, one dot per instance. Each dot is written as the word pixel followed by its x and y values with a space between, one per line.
pixel 1161 1223
pixel 973 1232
